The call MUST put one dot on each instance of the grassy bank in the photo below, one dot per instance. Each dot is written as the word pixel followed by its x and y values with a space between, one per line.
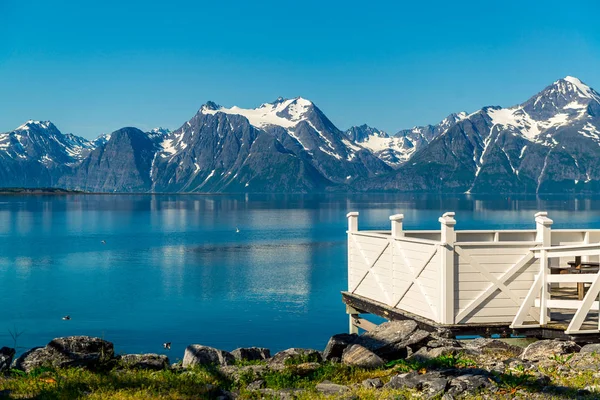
pixel 563 378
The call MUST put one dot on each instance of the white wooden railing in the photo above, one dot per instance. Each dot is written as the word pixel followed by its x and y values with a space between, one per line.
pixel 469 277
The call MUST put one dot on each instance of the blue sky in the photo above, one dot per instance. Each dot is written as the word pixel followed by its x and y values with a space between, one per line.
pixel 93 67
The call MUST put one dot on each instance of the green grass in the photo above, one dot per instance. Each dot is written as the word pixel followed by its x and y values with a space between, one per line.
pixel 206 382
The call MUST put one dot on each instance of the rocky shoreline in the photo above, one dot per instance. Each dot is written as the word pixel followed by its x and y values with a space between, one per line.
pixel 395 359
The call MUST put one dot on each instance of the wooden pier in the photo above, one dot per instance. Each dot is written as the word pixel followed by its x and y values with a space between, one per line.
pixel 538 282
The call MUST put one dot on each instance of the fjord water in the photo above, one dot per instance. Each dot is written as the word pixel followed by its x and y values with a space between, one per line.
pixel 140 270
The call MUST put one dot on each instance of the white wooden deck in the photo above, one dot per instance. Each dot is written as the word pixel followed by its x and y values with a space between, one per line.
pixel 484 278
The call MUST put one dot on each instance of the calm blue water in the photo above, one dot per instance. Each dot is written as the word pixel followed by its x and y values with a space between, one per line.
pixel 174 269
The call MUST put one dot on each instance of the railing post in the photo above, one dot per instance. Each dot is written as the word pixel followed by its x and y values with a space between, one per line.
pixel 352 221
pixel 543 235
pixel 448 237
pixel 397 225
pixel 352 227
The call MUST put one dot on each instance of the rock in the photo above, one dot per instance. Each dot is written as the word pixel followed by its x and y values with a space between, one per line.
pixel 145 361
pixel 79 351
pixel 258 384
pixel 425 354
pixel 251 353
pixel 294 356
pixel 468 383
pixel 196 354
pixel 391 339
pixel 372 383
pixel 329 388
pixel 492 345
pixel 282 394
pixel 337 344
pixel 6 357
pixel 359 356
pixel 72 351
pixel 442 342
pixel 588 348
pixel 544 349
pixel 31 359
pixel 432 383
pixel 305 368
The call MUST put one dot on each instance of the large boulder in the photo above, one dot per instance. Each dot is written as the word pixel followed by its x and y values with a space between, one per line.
pixel 73 351
pixel 294 356
pixel 196 354
pixel 79 351
pixel 545 349
pixel 337 344
pixel 391 340
pixel 251 353
pixel 6 357
pixel 362 357
pixel 145 361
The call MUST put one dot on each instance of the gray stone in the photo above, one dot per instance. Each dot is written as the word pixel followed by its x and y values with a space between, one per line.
pixel 391 339
pixel 79 351
pixel 425 354
pixel 337 344
pixel 432 383
pixel 72 351
pixel 251 353
pixel 6 357
pixel 305 368
pixel 468 383
pixel 492 345
pixel 258 384
pixel 588 348
pixel 360 356
pixel 294 356
pixel 544 349
pixel 145 361
pixel 196 354
pixel 282 394
pixel 372 383
pixel 442 342
pixel 329 388
pixel 31 359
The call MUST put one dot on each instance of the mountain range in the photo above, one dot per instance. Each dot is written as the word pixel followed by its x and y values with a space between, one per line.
pixel 548 144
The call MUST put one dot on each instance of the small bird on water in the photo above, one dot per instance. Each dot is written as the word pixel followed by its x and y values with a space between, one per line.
pixel 167 345
pixel 66 318
pixel 103 242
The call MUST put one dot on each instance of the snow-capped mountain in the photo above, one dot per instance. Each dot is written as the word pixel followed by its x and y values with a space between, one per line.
pixel 219 148
pixel 41 141
pixel 398 149
pixel 550 143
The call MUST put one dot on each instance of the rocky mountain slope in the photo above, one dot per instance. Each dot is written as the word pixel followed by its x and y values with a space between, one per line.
pixel 550 143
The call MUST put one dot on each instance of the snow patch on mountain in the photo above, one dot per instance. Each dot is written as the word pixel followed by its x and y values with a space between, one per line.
pixel 285 113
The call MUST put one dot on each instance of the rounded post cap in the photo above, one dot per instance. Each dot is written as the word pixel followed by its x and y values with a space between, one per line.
pixel 542 218
pixel 448 219
pixel 352 214
pixel 397 217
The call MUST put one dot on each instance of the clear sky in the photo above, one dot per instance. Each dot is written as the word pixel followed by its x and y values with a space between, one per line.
pixel 95 66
